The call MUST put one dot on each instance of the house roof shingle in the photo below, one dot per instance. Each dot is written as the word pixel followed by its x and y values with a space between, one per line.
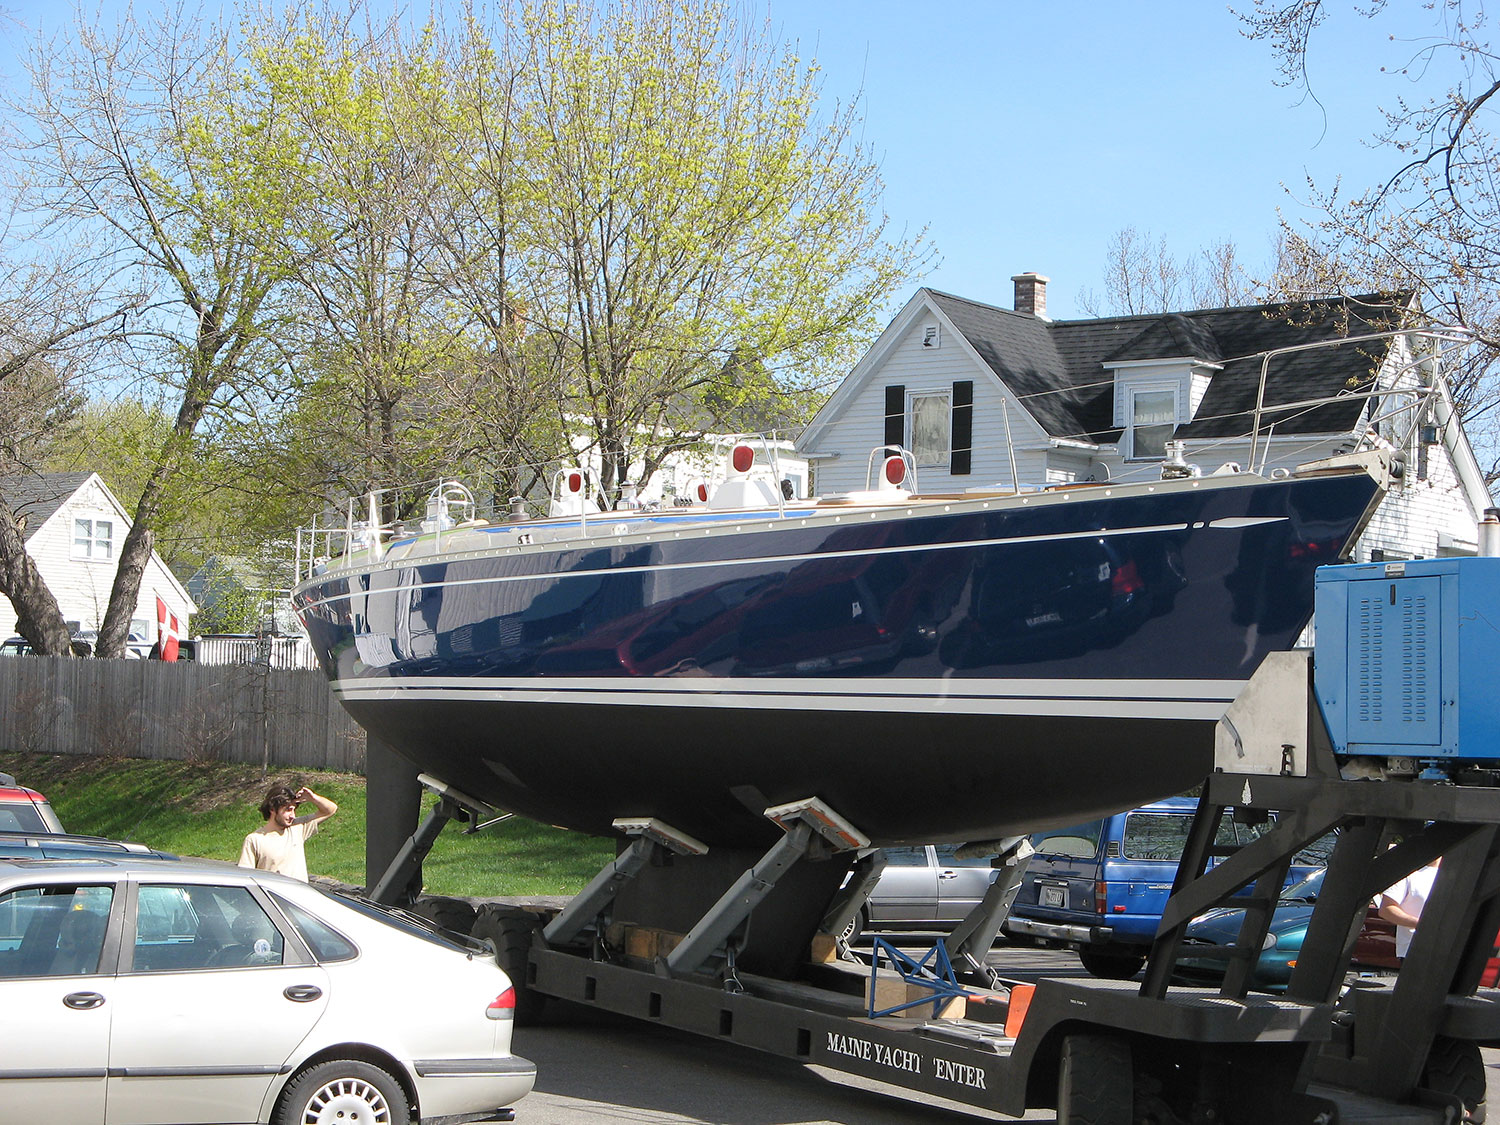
pixel 36 496
pixel 1061 370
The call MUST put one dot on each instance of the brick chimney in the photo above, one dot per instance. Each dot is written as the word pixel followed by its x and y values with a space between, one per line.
pixel 1031 294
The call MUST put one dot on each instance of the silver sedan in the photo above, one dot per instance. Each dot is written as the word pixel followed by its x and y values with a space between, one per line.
pixel 136 991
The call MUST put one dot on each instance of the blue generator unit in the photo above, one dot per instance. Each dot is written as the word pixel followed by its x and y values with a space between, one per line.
pixel 1406 659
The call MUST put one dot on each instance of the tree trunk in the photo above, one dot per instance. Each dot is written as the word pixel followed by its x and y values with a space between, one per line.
pixel 38 618
pixel 130 569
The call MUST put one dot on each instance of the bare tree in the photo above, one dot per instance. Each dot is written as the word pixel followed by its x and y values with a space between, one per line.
pixel 1432 224
pixel 1143 276
pixel 135 148
pixel 56 310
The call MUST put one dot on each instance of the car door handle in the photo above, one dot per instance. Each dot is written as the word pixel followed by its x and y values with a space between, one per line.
pixel 83 1001
pixel 302 993
pixel 947 874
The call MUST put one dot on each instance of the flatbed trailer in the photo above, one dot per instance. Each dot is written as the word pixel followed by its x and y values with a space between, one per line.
pixel 739 947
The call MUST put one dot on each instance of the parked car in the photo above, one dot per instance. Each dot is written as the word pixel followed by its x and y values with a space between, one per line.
pixel 923 888
pixel 1374 948
pixel 137 647
pixel 1100 887
pixel 63 845
pixel 196 992
pixel 25 810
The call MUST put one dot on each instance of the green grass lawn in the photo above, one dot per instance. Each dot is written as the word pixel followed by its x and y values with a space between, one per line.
pixel 205 808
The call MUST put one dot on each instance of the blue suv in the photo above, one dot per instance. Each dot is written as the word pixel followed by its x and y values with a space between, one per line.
pixel 1100 887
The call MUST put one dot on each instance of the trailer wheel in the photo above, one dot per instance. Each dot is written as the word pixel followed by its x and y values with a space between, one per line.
pixel 1456 1068
pixel 451 913
pixel 1111 964
pixel 509 929
pixel 1095 1084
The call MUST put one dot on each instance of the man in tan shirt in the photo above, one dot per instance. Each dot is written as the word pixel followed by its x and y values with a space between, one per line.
pixel 277 845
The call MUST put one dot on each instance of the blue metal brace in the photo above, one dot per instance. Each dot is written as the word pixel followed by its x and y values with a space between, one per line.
pixel 938 976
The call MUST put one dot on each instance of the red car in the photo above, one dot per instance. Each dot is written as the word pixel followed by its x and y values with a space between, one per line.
pixel 24 810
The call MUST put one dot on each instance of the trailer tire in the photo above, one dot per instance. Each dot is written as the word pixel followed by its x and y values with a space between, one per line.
pixel 509 929
pixel 1111 963
pixel 1456 1068
pixel 1095 1081
pixel 450 913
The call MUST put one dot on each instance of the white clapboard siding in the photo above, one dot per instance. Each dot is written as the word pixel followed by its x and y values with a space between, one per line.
pixel 861 427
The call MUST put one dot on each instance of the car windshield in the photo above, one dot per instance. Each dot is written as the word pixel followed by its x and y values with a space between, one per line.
pixel 1305 891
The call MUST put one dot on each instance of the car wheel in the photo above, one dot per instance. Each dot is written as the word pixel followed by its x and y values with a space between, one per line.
pixel 1456 1068
pixel 856 927
pixel 1095 1081
pixel 509 930
pixel 1111 964
pixel 343 1092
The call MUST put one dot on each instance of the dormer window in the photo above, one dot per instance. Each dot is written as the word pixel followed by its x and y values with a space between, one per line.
pixel 1153 418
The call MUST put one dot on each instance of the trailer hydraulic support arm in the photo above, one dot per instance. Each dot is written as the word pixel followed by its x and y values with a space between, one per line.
pixel 809 824
pixel 402 881
pixel 648 836
pixel 972 939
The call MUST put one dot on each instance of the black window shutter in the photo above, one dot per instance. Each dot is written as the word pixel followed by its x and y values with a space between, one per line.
pixel 959 462
pixel 895 415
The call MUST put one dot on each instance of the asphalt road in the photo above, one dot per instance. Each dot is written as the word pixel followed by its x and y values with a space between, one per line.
pixel 595 1068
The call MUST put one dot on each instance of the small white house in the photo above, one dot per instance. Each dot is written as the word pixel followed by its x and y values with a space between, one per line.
pixel 73 528
pixel 987 397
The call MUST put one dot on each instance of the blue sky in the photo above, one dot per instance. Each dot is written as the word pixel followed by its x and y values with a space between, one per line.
pixel 1024 135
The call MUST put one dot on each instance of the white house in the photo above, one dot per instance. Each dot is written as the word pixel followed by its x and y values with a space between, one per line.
pixel 73 528
pixel 987 397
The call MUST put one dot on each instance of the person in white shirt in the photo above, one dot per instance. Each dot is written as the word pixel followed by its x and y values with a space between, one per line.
pixel 1403 903
pixel 278 844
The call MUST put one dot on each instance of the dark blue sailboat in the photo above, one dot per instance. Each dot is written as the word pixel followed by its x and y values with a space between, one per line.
pixel 933 668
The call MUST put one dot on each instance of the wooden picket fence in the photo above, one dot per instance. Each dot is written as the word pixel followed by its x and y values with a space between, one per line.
pixel 155 709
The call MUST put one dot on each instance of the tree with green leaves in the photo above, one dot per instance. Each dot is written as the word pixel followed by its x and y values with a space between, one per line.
pixel 684 197
pixel 362 110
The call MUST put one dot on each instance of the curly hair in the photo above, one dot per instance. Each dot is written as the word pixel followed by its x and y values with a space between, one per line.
pixel 279 795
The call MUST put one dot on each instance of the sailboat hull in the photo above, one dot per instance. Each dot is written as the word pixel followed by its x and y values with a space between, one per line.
pixel 933 671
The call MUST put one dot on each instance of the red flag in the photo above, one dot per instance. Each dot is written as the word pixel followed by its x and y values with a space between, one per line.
pixel 167 630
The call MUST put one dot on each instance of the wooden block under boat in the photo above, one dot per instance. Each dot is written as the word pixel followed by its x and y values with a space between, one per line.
pixel 642 942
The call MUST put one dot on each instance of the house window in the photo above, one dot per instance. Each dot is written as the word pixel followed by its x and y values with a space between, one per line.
pixel 930 429
pixel 1153 417
pixel 93 539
